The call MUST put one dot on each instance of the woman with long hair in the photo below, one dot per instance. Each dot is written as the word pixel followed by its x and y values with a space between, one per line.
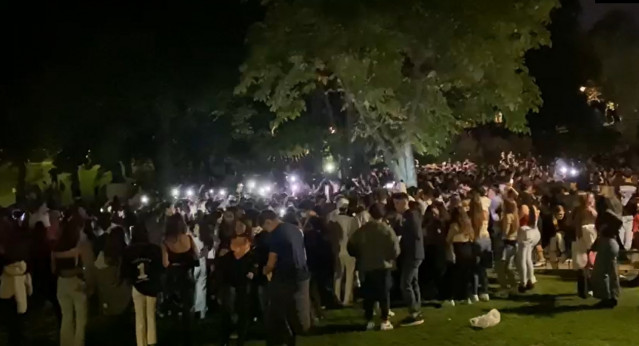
pixel 509 227
pixel 142 268
pixel 586 235
pixel 556 232
pixel 527 239
pixel 72 262
pixel 483 245
pixel 461 237
pixel 179 257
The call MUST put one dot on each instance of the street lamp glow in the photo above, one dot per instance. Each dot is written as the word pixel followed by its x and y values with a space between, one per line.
pixel 144 199
pixel 329 167
pixel 175 192
pixel 582 89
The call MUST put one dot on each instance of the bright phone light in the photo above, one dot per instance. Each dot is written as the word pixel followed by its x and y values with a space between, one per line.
pixel 563 170
pixel 267 188
pixel 329 167
pixel 175 192
pixel 293 178
pixel 282 212
pixel 251 184
pixel 189 192
pixel 222 192
pixel 390 185
pixel 262 191
pixel 211 191
pixel 294 188
pixel 574 172
pixel 144 199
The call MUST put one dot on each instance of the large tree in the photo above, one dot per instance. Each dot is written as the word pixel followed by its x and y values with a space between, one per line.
pixel 410 73
pixel 616 41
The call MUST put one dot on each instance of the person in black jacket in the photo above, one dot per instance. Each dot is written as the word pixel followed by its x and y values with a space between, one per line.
pixel 412 252
pixel 235 271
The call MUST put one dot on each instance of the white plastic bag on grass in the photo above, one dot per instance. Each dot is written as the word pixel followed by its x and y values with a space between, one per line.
pixel 491 319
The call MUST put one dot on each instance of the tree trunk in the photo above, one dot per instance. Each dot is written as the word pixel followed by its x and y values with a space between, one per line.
pixel 402 164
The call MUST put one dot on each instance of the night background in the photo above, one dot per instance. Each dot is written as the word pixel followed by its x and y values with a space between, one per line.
pixel 212 92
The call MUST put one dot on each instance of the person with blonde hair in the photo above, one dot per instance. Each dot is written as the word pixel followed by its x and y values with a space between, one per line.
pixel 509 228
pixel 461 237
pixel 479 215
pixel 586 235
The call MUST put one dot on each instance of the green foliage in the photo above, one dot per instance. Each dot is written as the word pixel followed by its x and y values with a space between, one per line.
pixel 411 71
pixel 615 39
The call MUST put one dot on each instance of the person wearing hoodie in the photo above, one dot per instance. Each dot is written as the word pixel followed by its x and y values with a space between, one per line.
pixel 376 248
pixel 341 227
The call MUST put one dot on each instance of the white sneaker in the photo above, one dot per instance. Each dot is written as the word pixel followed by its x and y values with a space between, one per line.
pixel 450 303
pixel 386 326
pixel 474 298
pixel 370 326
pixel 467 301
pixel 391 314
pixel 484 297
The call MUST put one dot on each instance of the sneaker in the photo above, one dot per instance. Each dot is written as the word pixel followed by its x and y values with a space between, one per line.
pixel 370 326
pixel 450 303
pixel 412 321
pixel 522 289
pixel 484 297
pixel 467 302
pixel 539 264
pixel 530 285
pixel 386 326
pixel 391 314
pixel 474 298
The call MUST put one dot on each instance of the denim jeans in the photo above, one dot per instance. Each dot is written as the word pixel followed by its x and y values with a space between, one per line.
pixel 409 283
pixel 484 256
pixel 525 245
pixel 505 275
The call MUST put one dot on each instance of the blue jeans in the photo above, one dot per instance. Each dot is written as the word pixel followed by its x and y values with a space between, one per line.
pixel 484 256
pixel 409 284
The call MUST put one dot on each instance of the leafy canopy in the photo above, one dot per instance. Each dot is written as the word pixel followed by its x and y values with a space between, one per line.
pixel 412 71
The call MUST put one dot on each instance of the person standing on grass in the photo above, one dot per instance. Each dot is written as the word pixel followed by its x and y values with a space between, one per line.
pixel 412 251
pixel 142 268
pixel 342 226
pixel 605 275
pixel 288 312
pixel 376 248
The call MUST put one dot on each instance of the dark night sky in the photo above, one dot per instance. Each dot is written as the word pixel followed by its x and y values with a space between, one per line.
pixel 592 11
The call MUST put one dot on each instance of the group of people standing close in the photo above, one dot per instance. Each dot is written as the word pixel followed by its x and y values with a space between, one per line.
pixel 252 264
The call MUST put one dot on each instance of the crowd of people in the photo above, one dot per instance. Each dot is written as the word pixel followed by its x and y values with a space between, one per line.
pixel 282 260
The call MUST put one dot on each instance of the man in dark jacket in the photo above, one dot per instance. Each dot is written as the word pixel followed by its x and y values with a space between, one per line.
pixel 412 252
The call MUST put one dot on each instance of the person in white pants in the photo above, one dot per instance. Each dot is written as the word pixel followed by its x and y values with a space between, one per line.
pixel 72 261
pixel 142 268
pixel 344 226
pixel 527 238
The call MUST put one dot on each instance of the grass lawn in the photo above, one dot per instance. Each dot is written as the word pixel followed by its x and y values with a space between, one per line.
pixel 551 315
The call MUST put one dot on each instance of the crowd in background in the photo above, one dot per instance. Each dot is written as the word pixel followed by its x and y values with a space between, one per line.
pixel 282 260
